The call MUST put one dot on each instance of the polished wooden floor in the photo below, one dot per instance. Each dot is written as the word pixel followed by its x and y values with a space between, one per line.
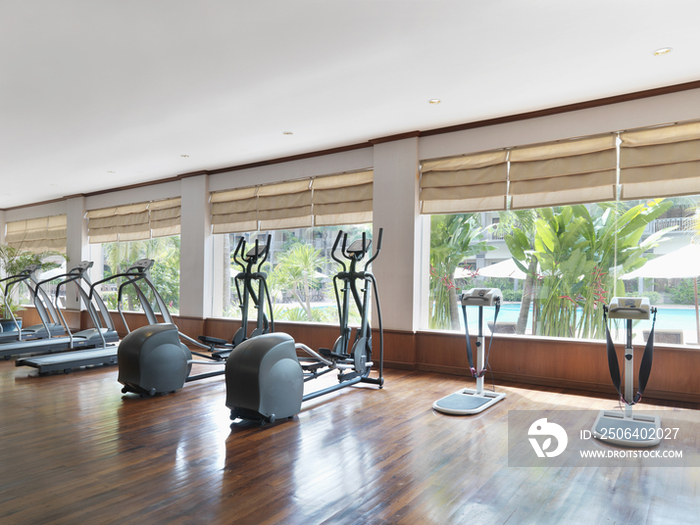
pixel 75 450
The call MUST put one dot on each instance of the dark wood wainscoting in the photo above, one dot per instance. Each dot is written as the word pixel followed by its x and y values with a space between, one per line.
pixel 74 319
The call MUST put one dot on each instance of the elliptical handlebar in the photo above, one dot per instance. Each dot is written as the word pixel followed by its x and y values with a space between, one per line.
pixel 335 247
pixel 265 253
pixel 378 248
pixel 240 247
pixel 256 256
pixel 355 255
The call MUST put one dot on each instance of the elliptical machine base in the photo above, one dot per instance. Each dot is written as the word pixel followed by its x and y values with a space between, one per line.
pixel 264 380
pixel 152 360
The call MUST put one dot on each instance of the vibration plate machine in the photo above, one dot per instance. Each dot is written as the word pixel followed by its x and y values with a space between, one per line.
pixel 469 401
pixel 626 428
pixel 265 378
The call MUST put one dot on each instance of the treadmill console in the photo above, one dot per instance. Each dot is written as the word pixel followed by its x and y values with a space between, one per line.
pixel 629 308
pixel 31 268
pixel 82 266
pixel 481 297
pixel 142 264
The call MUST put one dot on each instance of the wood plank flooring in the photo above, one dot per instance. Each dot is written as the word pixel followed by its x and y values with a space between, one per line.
pixel 75 450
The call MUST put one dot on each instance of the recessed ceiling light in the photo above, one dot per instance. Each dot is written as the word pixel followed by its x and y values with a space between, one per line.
pixel 184 156
pixel 287 133
pixel 434 101
pixel 662 51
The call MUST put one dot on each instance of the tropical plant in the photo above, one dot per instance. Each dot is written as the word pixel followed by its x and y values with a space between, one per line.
pixel 453 238
pixel 682 293
pixel 298 271
pixel 582 252
pixel 13 261
pixel 165 273
pixel 522 224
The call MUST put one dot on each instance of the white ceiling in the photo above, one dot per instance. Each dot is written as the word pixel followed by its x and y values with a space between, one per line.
pixel 89 87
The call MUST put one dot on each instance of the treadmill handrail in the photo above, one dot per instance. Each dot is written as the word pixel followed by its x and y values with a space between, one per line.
pixel 133 276
pixel 70 277
pixel 20 277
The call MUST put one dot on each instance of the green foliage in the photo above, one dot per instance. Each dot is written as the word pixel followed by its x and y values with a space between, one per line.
pixel 165 273
pixel 655 297
pixel 13 261
pixel 298 271
pixel 683 293
pixel 453 238
pixel 319 314
pixel 579 249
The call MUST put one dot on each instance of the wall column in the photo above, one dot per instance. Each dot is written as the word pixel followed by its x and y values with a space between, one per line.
pixel 396 210
pixel 196 268
pixel 77 248
pixel 2 227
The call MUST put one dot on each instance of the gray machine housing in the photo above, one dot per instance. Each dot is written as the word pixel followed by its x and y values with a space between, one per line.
pixel 264 379
pixel 152 360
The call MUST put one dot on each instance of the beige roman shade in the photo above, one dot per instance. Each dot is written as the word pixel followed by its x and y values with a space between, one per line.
pixel 343 199
pixel 284 206
pixel 234 211
pixel 567 172
pixel 165 217
pixel 38 235
pixel 464 184
pixel 134 222
pixel 660 162
pixel 321 201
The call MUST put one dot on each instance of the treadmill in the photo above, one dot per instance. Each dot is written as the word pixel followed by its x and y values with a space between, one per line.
pixel 87 338
pixel 105 354
pixel 50 324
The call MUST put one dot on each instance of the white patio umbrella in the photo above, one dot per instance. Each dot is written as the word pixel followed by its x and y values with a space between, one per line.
pixel 682 263
pixel 506 268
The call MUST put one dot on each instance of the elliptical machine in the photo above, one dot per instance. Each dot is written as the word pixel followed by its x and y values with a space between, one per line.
pixel 245 289
pixel 153 359
pixel 265 378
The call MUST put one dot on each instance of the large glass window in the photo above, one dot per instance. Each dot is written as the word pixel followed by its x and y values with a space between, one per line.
pixel 559 227
pixel 557 266
pixel 299 272
pixel 116 257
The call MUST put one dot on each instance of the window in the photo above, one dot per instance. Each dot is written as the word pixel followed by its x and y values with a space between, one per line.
pixel 136 231
pixel 303 217
pixel 299 273
pixel 116 257
pixel 560 254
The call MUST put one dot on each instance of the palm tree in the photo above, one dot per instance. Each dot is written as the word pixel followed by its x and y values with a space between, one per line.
pixel 14 260
pixel 298 271
pixel 453 238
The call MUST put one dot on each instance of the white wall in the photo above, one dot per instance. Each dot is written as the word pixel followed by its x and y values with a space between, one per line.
pixel 325 165
pixel 196 257
pixel 396 210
